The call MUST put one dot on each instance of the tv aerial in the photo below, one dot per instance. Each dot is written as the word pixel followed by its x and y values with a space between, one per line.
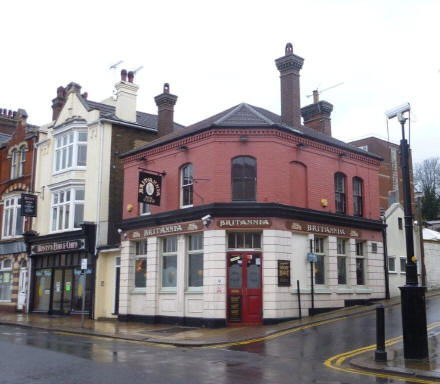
pixel 116 65
pixel 317 92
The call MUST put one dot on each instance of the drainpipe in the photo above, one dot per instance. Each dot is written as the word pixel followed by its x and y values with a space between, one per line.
pixel 98 213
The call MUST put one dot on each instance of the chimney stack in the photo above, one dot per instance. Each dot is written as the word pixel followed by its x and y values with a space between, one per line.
pixel 317 115
pixel 126 94
pixel 289 66
pixel 165 103
pixel 58 102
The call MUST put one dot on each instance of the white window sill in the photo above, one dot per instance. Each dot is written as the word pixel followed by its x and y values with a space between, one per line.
pixel 322 289
pixel 66 230
pixel 5 301
pixel 12 237
pixel 393 272
pixel 186 206
pixel 361 289
pixel 167 290
pixel 73 169
pixel 138 291
pixel 196 290
pixel 301 290
pixel 342 290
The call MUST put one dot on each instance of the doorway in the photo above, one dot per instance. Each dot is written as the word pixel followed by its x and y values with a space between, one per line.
pixel 244 304
pixel 22 286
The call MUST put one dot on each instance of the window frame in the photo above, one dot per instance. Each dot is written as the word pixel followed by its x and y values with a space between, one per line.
pixel 141 250
pixel 340 195
pixel 394 261
pixel 255 240
pixel 340 255
pixel 71 203
pixel 243 179
pixel 3 271
pixel 142 209
pixel 320 253
pixel 22 160
pixel 188 186
pixel 402 258
pixel 190 253
pixel 167 254
pixel 63 149
pixel 358 200
pixel 360 255
pixel 14 161
pixel 15 208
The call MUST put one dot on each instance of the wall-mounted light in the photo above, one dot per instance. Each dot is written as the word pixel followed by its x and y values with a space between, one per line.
pixel 300 145
pixel 324 203
pixel 183 148
pixel 129 207
pixel 244 138
pixel 143 158
pixel 342 155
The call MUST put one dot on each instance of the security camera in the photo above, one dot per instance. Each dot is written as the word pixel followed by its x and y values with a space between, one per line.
pixel 119 230
pixel 206 219
pixel 398 110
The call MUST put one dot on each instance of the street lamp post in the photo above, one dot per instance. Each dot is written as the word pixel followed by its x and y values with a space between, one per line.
pixel 415 336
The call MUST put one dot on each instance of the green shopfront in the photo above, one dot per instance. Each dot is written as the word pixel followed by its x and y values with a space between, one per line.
pixel 57 286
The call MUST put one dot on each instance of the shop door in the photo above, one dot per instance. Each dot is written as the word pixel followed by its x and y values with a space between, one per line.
pixel 22 288
pixel 57 295
pixel 244 287
pixel 43 279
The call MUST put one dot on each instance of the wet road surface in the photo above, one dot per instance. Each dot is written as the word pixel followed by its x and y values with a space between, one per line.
pixel 32 356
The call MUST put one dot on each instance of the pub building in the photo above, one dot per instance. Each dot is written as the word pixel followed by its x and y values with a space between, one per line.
pixel 224 219
pixel 56 283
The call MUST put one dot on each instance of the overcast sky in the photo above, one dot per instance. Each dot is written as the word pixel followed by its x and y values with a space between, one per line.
pixel 218 54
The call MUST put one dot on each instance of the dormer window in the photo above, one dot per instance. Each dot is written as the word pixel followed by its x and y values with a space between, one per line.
pixel 70 150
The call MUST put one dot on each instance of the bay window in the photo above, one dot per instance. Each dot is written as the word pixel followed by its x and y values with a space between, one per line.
pixel 70 150
pixel 67 209
pixel 12 220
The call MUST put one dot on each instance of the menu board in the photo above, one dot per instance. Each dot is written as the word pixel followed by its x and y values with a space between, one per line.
pixel 234 308
pixel 284 273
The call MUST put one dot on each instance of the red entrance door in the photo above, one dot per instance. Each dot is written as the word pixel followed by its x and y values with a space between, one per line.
pixel 244 287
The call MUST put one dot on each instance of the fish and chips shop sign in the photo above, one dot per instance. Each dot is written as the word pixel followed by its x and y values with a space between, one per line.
pixel 59 246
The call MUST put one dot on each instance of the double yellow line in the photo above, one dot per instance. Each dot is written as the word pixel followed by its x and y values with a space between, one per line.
pixel 336 362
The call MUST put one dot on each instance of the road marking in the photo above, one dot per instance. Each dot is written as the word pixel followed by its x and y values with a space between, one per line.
pixel 335 362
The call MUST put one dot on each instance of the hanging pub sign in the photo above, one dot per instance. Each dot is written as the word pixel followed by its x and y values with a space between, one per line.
pixel 28 205
pixel 149 190
pixel 284 273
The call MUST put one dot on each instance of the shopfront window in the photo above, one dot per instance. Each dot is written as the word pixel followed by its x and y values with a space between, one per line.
pixel 5 279
pixel 169 262
pixel 360 263
pixel 140 269
pixel 342 262
pixel 320 263
pixel 195 260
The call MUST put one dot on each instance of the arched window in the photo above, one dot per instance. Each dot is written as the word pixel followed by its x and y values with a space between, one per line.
pixel 357 196
pixel 22 161
pixel 14 156
pixel 340 201
pixel 244 178
pixel 186 186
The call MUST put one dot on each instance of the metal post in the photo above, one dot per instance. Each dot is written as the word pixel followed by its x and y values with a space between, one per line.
pixel 380 354
pixel 385 258
pixel 83 276
pixel 299 298
pixel 415 335
pixel 422 244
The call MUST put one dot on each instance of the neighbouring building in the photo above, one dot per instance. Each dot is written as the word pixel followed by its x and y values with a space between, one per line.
pixel 395 220
pixel 79 185
pixel 223 218
pixel 17 162
pixel 390 171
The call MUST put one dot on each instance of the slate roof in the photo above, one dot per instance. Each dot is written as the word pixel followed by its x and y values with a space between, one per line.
pixel 247 116
pixel 4 137
pixel 144 120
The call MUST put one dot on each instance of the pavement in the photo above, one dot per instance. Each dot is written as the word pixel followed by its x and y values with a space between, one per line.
pixel 194 337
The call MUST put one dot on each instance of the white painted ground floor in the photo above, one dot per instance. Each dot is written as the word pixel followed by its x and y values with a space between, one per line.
pixel 241 270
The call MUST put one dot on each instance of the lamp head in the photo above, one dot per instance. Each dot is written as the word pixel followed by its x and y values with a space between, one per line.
pixel 393 112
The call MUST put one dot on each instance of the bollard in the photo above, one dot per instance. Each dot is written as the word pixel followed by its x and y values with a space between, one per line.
pixel 380 353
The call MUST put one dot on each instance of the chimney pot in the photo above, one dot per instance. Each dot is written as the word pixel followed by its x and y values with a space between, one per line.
pixel 85 95
pixel 317 116
pixel 165 103
pixel 14 114
pixel 130 76
pixel 124 75
pixel 289 66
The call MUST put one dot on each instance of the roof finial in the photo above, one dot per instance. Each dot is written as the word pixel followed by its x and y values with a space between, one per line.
pixel 289 49
pixel 166 88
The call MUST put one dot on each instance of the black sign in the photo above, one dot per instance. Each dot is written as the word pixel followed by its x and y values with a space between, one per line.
pixel 59 246
pixel 284 273
pixel 149 190
pixel 28 205
pixel 235 308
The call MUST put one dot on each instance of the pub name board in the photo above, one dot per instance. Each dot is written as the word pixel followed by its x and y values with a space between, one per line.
pixel 165 230
pixel 59 246
pixel 149 188
pixel 244 223
pixel 322 229
pixel 28 205
pixel 284 273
